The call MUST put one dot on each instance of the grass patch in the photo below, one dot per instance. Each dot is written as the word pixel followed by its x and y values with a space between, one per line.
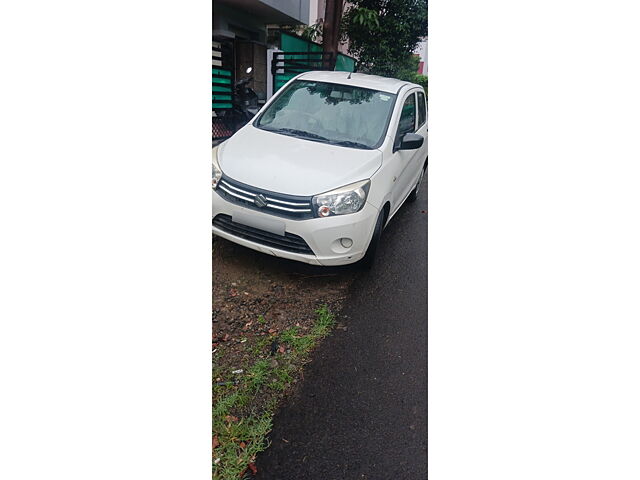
pixel 325 322
pixel 239 442
pixel 243 412
pixel 261 346
pixel 258 375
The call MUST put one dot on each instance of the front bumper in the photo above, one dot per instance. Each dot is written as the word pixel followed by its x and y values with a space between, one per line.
pixel 321 234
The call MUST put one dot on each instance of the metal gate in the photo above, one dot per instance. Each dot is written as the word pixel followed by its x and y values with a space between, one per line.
pixel 298 55
pixel 222 80
pixel 286 65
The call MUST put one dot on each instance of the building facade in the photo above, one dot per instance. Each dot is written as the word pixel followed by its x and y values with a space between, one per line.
pixel 257 34
pixel 422 51
pixel 240 42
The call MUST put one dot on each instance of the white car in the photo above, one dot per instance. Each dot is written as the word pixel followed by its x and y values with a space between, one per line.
pixel 322 168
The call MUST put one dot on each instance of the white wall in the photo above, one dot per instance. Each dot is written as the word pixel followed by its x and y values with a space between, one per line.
pixel 422 50
pixel 313 12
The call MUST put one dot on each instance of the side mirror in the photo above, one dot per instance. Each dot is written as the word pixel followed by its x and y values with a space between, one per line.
pixel 411 141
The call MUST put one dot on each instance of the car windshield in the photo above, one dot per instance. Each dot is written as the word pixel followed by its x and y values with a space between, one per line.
pixel 330 113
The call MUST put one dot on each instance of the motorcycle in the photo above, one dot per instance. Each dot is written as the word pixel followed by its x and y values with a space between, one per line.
pixel 245 104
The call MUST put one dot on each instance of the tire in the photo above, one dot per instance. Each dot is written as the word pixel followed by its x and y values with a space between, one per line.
pixel 369 257
pixel 413 196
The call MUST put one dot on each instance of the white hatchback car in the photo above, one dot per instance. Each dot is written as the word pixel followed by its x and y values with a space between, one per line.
pixel 322 168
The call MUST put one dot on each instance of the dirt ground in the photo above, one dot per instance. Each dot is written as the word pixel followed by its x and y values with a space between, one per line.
pixel 256 297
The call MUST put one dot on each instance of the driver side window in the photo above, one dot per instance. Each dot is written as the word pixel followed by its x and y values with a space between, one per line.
pixel 408 116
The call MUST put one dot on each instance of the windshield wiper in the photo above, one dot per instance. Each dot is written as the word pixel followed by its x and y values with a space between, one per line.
pixel 314 136
pixel 349 143
pixel 299 133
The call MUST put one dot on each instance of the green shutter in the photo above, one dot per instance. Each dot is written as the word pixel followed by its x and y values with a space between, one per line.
pixel 221 80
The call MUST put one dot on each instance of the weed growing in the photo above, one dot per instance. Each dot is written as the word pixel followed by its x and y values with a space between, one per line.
pixel 243 409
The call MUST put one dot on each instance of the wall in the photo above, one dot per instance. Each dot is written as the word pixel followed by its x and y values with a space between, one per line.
pixel 298 9
pixel 422 50
pixel 230 23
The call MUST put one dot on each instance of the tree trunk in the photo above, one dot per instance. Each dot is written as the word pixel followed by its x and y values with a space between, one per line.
pixel 331 31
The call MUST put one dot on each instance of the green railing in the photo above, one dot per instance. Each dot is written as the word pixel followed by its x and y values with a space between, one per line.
pixel 299 55
pixel 221 79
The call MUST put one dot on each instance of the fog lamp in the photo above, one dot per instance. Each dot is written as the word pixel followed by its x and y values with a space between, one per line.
pixel 346 242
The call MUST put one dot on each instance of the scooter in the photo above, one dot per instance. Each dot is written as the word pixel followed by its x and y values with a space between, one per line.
pixel 245 104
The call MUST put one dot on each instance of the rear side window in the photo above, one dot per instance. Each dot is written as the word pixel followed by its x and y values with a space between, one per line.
pixel 422 109
pixel 408 116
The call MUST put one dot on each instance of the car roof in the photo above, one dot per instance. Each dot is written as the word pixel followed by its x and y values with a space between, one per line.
pixel 374 82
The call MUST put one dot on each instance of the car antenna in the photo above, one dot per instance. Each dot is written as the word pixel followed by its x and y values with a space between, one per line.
pixel 349 76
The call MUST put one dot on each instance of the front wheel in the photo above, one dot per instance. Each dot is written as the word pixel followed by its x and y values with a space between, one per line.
pixel 413 196
pixel 367 261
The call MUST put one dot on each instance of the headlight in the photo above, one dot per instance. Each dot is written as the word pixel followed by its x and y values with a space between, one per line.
pixel 348 199
pixel 216 173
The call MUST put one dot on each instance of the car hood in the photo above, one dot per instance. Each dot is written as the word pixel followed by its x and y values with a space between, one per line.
pixel 293 166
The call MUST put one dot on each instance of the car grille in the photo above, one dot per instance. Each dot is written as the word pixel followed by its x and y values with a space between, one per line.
pixel 279 204
pixel 290 242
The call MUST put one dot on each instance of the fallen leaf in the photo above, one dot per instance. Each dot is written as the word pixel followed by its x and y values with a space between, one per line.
pixel 231 418
pixel 215 442
pixel 243 445
pixel 252 467
pixel 281 349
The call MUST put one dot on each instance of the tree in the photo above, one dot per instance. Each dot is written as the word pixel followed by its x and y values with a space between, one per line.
pixel 331 30
pixel 383 34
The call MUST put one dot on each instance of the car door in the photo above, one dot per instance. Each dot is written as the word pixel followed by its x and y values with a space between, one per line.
pixel 405 161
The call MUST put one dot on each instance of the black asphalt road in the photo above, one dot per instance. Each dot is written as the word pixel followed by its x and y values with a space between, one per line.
pixel 361 412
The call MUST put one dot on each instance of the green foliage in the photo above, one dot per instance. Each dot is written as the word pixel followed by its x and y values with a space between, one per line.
pixel 408 70
pixel 324 323
pixel 289 335
pixel 366 17
pixel 261 346
pixel 232 458
pixel 422 80
pixel 243 411
pixel 225 404
pixel 258 374
pixel 383 34
pixel 311 32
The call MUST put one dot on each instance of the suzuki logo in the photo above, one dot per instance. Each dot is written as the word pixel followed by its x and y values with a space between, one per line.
pixel 260 201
